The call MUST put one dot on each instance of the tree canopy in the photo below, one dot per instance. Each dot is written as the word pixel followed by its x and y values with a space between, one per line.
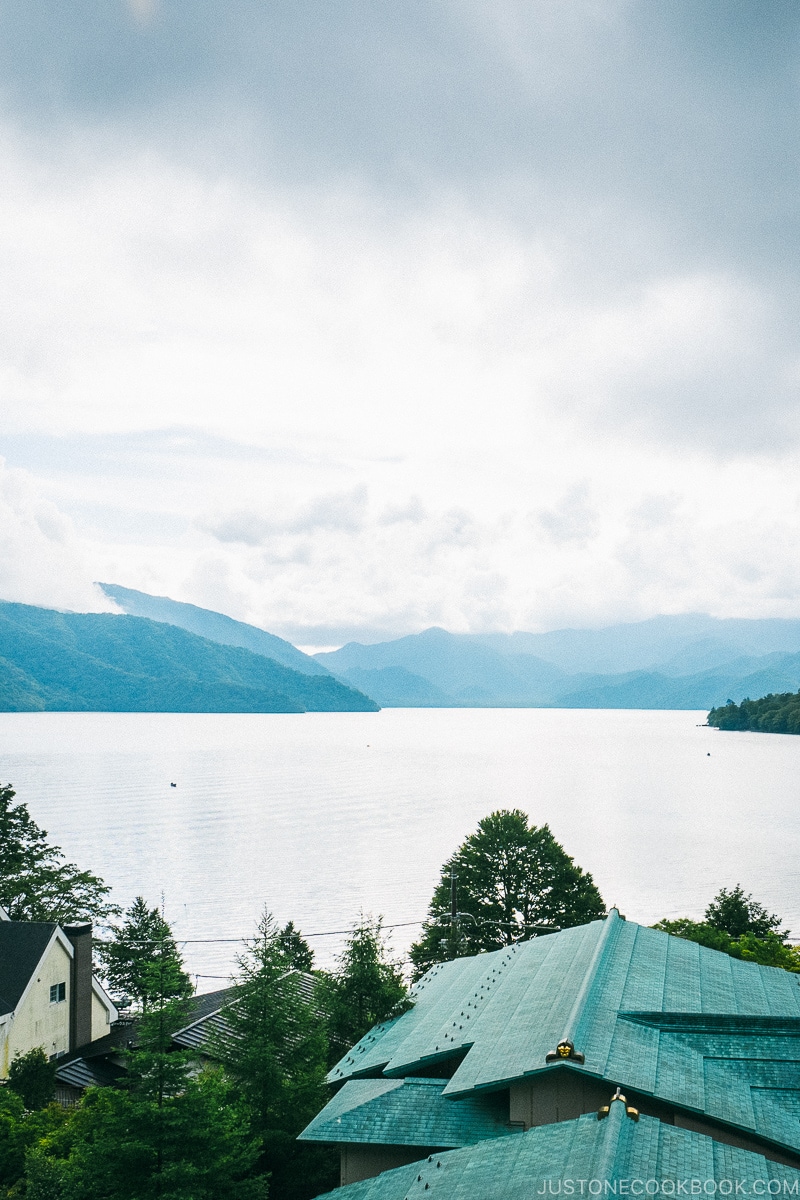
pixel 366 987
pixel 165 1131
pixel 510 878
pixel 36 882
pixel 738 925
pixel 141 959
pixel 298 953
pixel 33 1077
pixel 775 713
pixel 274 1048
pixel 736 913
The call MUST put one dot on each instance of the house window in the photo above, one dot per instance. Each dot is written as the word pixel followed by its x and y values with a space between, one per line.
pixel 58 992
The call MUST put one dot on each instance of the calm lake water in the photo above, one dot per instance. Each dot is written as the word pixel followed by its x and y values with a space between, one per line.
pixel 321 815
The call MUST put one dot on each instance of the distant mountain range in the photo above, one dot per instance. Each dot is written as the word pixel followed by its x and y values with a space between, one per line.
pixel 164 656
pixel 102 662
pixel 691 662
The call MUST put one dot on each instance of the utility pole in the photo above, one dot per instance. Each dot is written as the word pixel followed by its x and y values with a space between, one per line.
pixel 454 937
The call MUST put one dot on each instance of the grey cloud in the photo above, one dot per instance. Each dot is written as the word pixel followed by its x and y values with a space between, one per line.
pixel 246 527
pixel 573 519
pixel 456 527
pixel 412 510
pixel 654 511
pixel 642 137
pixel 342 511
pixel 682 110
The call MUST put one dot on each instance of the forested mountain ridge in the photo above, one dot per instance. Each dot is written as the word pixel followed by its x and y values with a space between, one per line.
pixel 212 625
pixel 102 662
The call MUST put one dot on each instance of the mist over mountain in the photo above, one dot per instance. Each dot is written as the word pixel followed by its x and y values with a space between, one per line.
pixel 101 662
pixel 688 661
pixel 168 656
pixel 212 625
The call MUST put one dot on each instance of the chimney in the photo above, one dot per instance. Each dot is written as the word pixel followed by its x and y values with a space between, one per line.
pixel 80 996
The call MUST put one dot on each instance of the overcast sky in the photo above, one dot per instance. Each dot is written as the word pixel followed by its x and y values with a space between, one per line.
pixel 353 318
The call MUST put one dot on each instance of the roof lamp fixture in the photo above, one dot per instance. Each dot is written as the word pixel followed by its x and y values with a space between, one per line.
pixel 564 1051
pixel 603 1112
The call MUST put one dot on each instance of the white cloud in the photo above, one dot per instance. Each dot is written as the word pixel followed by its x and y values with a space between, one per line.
pixel 327 415
pixel 41 560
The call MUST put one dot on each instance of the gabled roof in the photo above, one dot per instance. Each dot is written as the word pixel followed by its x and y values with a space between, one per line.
pixel 89 1072
pixel 669 1018
pixel 206 1013
pixel 206 1016
pixel 22 944
pixel 616 1151
pixel 407 1112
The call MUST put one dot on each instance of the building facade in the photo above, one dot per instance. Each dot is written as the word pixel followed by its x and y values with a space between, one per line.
pixel 49 997
pixel 607 1033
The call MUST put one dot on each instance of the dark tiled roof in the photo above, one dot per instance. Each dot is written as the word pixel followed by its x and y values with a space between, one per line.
pixel 206 1015
pixel 22 944
pixel 92 1072
pixel 203 1017
pixel 208 1003
pixel 121 1036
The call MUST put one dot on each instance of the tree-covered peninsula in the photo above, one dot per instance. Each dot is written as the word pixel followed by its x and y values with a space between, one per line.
pixel 770 714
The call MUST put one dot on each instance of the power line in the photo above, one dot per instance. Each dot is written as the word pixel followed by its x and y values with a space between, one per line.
pixel 318 933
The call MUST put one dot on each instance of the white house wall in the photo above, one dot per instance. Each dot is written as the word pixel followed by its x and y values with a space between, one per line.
pixel 37 1021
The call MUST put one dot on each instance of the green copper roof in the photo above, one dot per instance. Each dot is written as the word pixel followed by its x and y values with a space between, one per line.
pixel 688 1025
pixel 611 1154
pixel 407 1112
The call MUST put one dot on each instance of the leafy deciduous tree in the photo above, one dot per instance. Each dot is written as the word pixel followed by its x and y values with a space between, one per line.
pixel 21 1130
pixel 736 913
pixel 510 878
pixel 36 883
pixel 738 925
pixel 33 1077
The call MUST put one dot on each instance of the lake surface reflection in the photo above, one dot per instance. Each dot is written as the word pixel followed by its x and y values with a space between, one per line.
pixel 321 815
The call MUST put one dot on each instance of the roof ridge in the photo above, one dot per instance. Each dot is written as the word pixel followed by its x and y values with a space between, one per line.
pixel 573 1021
pixel 613 1128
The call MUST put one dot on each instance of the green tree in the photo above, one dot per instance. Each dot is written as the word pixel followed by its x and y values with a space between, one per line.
pixel 738 925
pixel 511 878
pixel 166 1132
pixel 36 883
pixel 13 1143
pixel 21 1130
pixel 365 989
pixel 770 714
pixel 274 1048
pixel 298 953
pixel 142 961
pixel 736 913
pixel 195 1143
pixel 33 1077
